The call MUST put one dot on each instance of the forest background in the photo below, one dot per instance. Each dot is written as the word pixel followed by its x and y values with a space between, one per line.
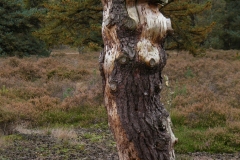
pixel 36 26
pixel 48 97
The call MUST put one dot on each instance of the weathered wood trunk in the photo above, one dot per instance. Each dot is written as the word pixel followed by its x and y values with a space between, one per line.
pixel 131 65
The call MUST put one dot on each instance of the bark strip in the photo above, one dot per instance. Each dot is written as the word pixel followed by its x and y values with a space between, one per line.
pixel 131 65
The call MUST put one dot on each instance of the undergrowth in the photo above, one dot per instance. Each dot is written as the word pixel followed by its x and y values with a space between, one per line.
pixel 57 90
pixel 201 94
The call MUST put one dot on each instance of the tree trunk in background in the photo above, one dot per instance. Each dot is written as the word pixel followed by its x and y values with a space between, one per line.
pixel 131 65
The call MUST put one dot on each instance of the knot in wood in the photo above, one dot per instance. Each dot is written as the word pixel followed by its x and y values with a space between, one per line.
pixel 113 86
pixel 123 59
pixel 157 88
pixel 163 125
pixel 152 62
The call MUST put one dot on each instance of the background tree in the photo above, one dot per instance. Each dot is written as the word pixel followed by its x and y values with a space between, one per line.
pixel 74 23
pixel 188 34
pixel 16 25
pixel 78 23
pixel 34 3
pixel 217 15
pixel 231 26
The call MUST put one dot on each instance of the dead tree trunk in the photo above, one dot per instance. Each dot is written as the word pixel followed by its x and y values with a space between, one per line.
pixel 131 65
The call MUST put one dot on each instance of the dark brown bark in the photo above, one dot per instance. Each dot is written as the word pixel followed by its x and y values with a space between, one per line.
pixel 132 80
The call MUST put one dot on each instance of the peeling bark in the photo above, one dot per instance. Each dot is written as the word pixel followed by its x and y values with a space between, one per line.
pixel 131 65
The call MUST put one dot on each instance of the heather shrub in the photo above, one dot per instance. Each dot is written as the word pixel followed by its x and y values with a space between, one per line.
pixel 66 73
pixel 14 62
pixel 28 72
pixel 23 110
pixel 203 99
pixel 45 103
pixel 233 114
pixel 3 90
pixel 6 117
pixel 31 92
pixel 202 96
pixel 208 114
pixel 217 140
pixel 32 109
pixel 48 63
pixel 233 127
pixel 56 89
pixel 53 86
pixel 199 115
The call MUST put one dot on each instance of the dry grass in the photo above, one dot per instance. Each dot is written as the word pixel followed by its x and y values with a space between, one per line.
pixel 203 95
pixel 64 134
pixel 22 128
pixel 204 100
pixel 32 87
pixel 211 81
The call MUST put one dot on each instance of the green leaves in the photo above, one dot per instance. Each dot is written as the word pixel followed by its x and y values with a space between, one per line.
pixel 188 34
pixel 75 23
pixel 232 25
pixel 16 25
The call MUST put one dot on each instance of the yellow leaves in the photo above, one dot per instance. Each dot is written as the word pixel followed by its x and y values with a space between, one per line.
pixel 197 8
pixel 93 46
pixel 188 33
pixel 72 22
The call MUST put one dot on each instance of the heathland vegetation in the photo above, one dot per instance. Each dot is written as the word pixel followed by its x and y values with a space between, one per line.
pixel 64 91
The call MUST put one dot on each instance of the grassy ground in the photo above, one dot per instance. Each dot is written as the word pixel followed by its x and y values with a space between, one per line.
pixel 203 97
pixel 64 90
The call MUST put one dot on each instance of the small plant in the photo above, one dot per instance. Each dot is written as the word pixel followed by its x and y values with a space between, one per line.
pixel 93 137
pixel 3 90
pixel 237 56
pixel 14 62
pixel 189 73
pixel 29 72
pixel 81 147
pixel 179 91
pixel 67 93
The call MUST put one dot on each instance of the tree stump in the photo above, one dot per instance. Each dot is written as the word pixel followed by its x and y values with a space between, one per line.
pixel 131 64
